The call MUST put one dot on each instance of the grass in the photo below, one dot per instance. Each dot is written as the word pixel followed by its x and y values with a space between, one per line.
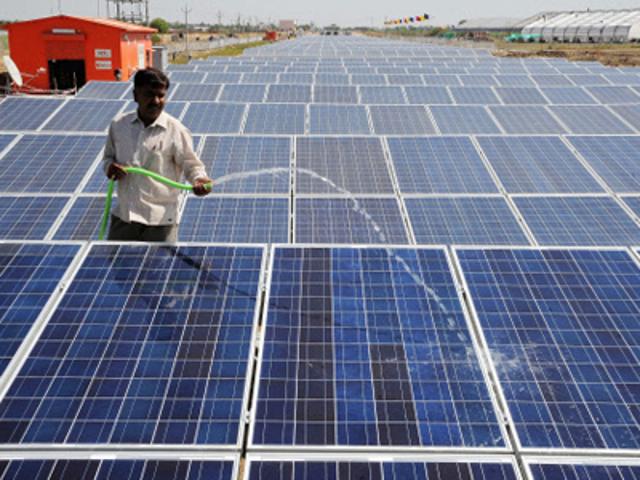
pixel 228 51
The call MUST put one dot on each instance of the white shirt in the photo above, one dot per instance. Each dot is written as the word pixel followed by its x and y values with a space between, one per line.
pixel 164 147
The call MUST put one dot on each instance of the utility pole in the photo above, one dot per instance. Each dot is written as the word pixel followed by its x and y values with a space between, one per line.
pixel 186 11
pixel 220 17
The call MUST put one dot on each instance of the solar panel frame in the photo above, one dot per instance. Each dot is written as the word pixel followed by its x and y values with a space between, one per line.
pixel 568 96
pixel 521 95
pixel 590 119
pixel 345 94
pixel 614 95
pixel 382 95
pixel 178 77
pixel 288 93
pixel 474 96
pixel 275 118
pixel 195 92
pixel 459 119
pixel 20 114
pixel 81 221
pixel 38 215
pixel 578 468
pixel 338 119
pixel 527 119
pixel 105 90
pixel 400 120
pixel 84 116
pixel 243 93
pixel 204 118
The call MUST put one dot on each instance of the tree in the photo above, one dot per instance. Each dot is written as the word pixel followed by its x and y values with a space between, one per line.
pixel 160 24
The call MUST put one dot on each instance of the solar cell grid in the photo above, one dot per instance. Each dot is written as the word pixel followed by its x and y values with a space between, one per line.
pixel 614 95
pixel 368 79
pixel 381 95
pixel 222 77
pixel 428 95
pixel 578 221
pixel 477 80
pixel 474 95
pixel 588 79
pixel 568 96
pixel 590 119
pixel 527 119
pixel 243 93
pixel 400 120
pixel 580 471
pixel 521 96
pixel 441 80
pixel 548 80
pixel 275 119
pixel 537 165
pixel 235 220
pixel 214 117
pixel 259 78
pixel 28 218
pixel 5 140
pixel 354 164
pixel 187 77
pixel 332 79
pixel 149 345
pixel 467 119
pixel 357 353
pixel 518 80
pixel 296 78
pixel 289 93
pixel 439 165
pixel 464 220
pixel 335 94
pixel 84 116
pixel 561 327
pixel 195 92
pixel 104 90
pixel 396 79
pixel 338 119
pixel 82 221
pixel 19 113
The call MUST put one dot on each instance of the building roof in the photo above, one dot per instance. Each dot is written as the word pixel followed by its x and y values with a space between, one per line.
pixel 107 22
pixel 493 24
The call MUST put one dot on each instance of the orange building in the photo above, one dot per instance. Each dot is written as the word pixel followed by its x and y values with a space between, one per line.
pixel 64 51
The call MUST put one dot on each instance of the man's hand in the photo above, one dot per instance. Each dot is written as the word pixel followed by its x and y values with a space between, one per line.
pixel 202 186
pixel 116 171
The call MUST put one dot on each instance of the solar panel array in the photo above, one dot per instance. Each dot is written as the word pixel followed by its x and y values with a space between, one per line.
pixel 451 291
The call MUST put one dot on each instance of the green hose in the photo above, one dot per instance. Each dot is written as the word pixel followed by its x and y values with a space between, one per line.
pixel 139 171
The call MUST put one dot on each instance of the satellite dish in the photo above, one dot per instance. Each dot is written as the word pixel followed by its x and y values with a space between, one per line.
pixel 12 68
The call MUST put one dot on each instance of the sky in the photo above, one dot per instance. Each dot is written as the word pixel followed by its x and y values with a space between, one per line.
pixel 321 12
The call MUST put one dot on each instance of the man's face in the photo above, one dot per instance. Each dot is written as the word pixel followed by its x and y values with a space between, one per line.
pixel 151 101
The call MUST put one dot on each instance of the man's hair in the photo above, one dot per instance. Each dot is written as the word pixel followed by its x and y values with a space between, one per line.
pixel 150 76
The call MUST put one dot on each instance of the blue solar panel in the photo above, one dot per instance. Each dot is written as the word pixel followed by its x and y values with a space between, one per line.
pixel 346 119
pixel 396 79
pixel 478 80
pixel 630 113
pixel 463 119
pixel 29 275
pixel 275 118
pixel 590 119
pixel 614 95
pixel 243 93
pixel 335 94
pixel 349 220
pixel 584 470
pixel 442 80
pixel 296 78
pixel 49 163
pixel 369 347
pixel 464 221
pixel 289 93
pixel 331 79
pixel 428 95
pixel 149 345
pixel 105 90
pixel 578 221
pixel 259 78
pixel 5 140
pixel 381 95
pixel 28 218
pixel 521 119
pixel 562 327
pixel 400 120
pixel 82 221
pixel 368 79
pixel 375 470
pixel 85 116
pixel 633 203
pixel 353 164
pixel 623 78
pixel 214 117
pixel 116 469
pixel 235 220
pixel 195 92
pixel 439 165
pixel 517 80
pixel 23 113
pixel 474 95
pixel 568 96
pixel 588 79
pixel 224 156
pixel 222 77
pixel 187 77
pixel 521 96
pixel 537 165
pixel 551 80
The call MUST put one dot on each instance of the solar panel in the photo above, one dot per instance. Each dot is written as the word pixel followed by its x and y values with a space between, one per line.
pixel 517 80
pixel 439 165
pixel 368 79
pixel 561 326
pixel 633 203
pixel 623 78
pixel 463 119
pixel 335 94
pixel 352 164
pixel 243 93
pixel 28 218
pixel 578 221
pixel 222 77
pixel 521 96
pixel 551 80
pixel 478 80
pixel 365 469
pixel 442 80
pixel 116 469
pixel 526 119
pixel 235 220
pixel 428 95
pixel 404 79
pixel 289 93
pixel 29 275
pixel 187 77
pixel 591 469
pixel 105 90
pixel 195 92
pixel 588 79
pixel 568 96
pixel 48 163
pixel 349 220
pixel 346 119
pixel 5 140
pixel 296 78
pixel 381 95
pixel 369 347
pixel 614 95
pixel 275 118
pixel 537 165
pixel 259 78
pixel 464 221
pixel 149 345
pixel 400 120
pixel 225 156
pixel 21 113
pixel 85 116
pixel 82 221
pixel 214 117
pixel 474 95
pixel 630 114
pixel 590 119
pixel 331 79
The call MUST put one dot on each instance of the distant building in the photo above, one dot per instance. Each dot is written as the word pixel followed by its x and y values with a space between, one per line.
pixel 287 25
pixel 495 24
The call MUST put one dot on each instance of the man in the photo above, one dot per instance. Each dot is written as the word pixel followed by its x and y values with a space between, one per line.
pixel 150 138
